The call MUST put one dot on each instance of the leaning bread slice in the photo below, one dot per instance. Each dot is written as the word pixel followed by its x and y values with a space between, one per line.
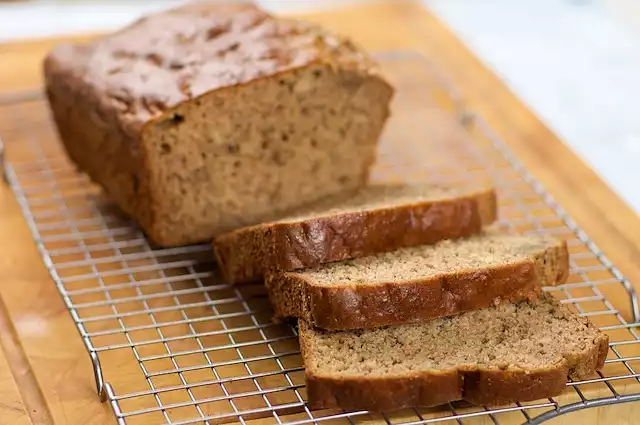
pixel 378 218
pixel 422 282
pixel 492 356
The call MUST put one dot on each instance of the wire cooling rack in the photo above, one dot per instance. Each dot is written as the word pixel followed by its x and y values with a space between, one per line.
pixel 172 344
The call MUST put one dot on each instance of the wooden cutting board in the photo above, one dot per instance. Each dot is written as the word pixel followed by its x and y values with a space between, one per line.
pixel 12 408
pixel 42 348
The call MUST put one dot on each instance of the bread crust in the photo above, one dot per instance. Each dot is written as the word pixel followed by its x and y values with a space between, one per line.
pixel 248 254
pixel 475 384
pixel 356 306
pixel 380 394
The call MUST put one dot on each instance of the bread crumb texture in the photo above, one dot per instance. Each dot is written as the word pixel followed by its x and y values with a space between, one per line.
pixel 490 249
pixel 525 335
pixel 375 197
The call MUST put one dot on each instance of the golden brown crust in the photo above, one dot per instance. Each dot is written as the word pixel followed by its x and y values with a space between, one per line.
pixel 247 254
pixel 98 146
pixel 356 306
pixel 494 387
pixel 139 73
pixel 380 394
pixel 392 303
pixel 475 384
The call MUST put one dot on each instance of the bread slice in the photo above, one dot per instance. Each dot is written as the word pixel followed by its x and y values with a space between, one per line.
pixel 376 219
pixel 217 115
pixel 420 283
pixel 493 356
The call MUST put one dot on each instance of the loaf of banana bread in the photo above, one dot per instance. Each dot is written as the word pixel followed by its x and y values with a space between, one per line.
pixel 214 116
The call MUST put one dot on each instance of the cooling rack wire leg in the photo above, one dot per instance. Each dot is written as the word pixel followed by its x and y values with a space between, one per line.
pixel 114 403
pixel 635 305
pixel 97 373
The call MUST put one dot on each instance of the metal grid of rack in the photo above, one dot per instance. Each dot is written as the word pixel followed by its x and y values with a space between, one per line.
pixel 172 344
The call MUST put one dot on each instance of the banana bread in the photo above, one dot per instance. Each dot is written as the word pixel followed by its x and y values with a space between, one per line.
pixel 493 356
pixel 378 218
pixel 215 116
pixel 421 283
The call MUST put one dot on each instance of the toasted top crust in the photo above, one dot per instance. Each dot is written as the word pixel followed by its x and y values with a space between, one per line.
pixel 154 64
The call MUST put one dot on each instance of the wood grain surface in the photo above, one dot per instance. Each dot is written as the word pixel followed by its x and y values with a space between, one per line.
pixel 12 408
pixel 56 383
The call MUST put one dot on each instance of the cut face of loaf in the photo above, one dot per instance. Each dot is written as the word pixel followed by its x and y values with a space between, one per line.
pixel 215 116
pixel 378 218
pixel 420 283
pixel 493 356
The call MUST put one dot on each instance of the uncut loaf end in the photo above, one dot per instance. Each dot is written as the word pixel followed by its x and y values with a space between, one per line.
pixel 493 356
pixel 214 116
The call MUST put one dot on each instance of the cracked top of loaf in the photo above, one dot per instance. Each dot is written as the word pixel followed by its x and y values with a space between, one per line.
pixel 159 61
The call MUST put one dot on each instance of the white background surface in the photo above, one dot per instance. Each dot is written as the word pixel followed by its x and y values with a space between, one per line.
pixel 575 62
